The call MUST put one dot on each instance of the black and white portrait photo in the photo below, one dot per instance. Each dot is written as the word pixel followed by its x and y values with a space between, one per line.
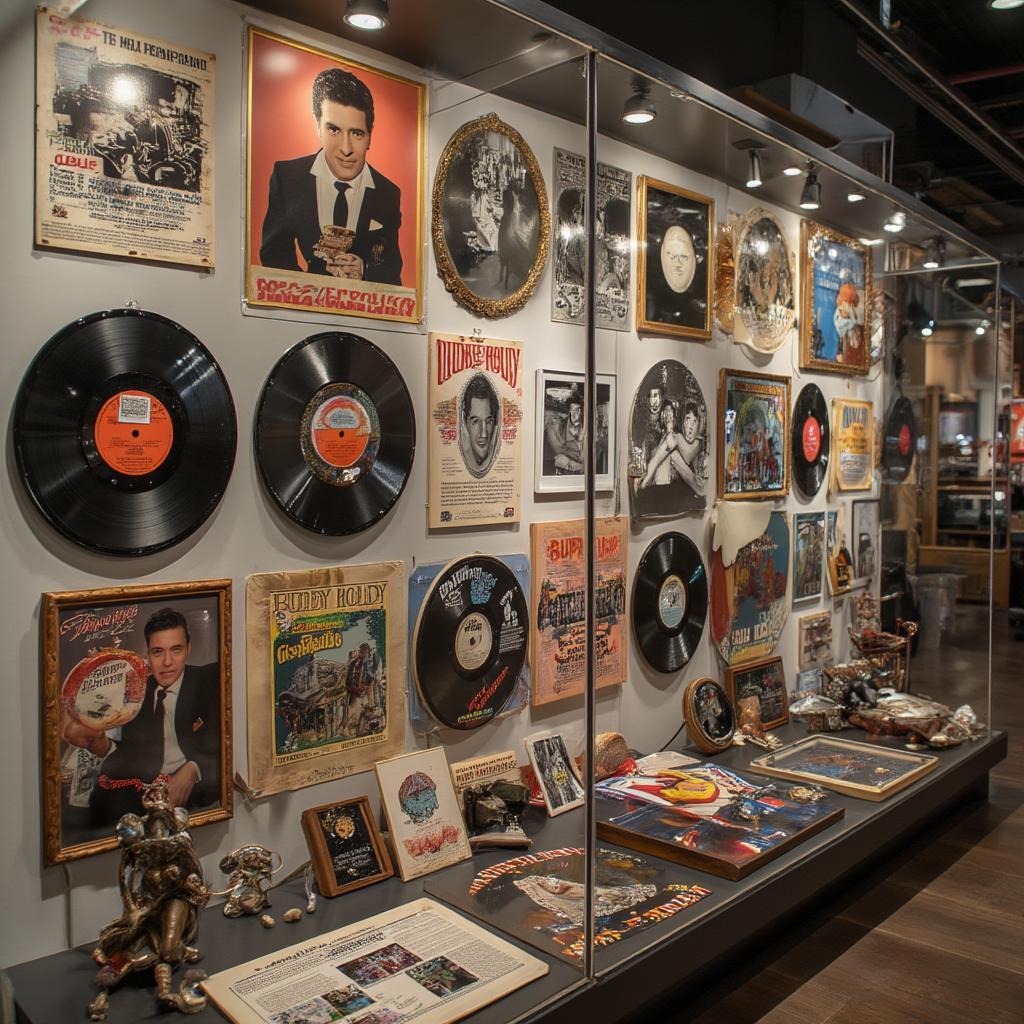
pixel 479 424
pixel 865 540
pixel 553 766
pixel 668 443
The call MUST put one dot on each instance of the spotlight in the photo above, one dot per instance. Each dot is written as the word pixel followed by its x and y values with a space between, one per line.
pixel 371 15
pixel 754 174
pixel 927 332
pixel 934 253
pixel 639 108
pixel 810 197
pixel 870 241
pixel 895 222
pixel 791 172
pixel 1005 5
pixel 855 196
pixel 982 328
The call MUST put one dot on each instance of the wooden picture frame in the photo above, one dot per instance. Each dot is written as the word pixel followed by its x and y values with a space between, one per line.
pixel 808 556
pixel 765 679
pixel 709 724
pixel 97 683
pixel 344 842
pixel 675 260
pixel 753 435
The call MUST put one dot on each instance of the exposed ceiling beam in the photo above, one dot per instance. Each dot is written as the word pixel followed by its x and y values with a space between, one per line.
pixel 980 76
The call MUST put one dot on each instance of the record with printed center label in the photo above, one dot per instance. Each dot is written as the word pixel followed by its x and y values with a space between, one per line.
pixel 900 440
pixel 470 642
pixel 810 440
pixel 124 432
pixel 335 433
pixel 670 601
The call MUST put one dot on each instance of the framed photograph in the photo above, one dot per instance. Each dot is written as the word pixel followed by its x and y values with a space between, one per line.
pixel 766 681
pixel 674 260
pixel 837 554
pixel 815 640
pixel 753 435
pixel 555 771
pixel 808 681
pixel 424 818
pixel 136 685
pixel 865 540
pixel 336 167
pixel 853 444
pixel 868 771
pixel 561 432
pixel 489 218
pixel 345 846
pixel 765 306
pixel 709 717
pixel 835 293
pixel 808 555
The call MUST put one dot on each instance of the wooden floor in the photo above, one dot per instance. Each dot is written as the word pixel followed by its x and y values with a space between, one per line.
pixel 935 935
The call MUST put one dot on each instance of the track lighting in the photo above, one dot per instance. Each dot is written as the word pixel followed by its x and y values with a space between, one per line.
pixel 754 172
pixel 810 197
pixel 855 196
pixel 639 108
pixel 895 222
pixel 791 172
pixel 371 15
pixel 934 253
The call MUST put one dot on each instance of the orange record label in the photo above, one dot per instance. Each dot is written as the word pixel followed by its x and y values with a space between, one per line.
pixel 134 433
pixel 341 431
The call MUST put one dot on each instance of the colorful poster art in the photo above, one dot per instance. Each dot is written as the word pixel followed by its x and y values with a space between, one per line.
pixel 753 432
pixel 475 391
pixel 808 555
pixel 853 433
pixel 326 673
pixel 837 554
pixel 335 155
pixel 1017 432
pixel 559 639
pixel 748 598
pixel 765 282
pixel 124 122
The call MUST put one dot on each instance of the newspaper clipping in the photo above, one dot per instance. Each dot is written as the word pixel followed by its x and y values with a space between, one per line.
pixel 476 413
pixel 419 962
pixel 124 143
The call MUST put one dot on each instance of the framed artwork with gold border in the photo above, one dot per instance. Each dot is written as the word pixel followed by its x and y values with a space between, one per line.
pixel 765 680
pixel 853 444
pixel 345 846
pixel 753 435
pixel 709 716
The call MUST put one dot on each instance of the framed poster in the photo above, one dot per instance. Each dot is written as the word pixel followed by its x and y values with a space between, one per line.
pixel 815 640
pixel 561 441
pixel 335 163
pixel 808 555
pixel 119 666
pixel 1017 431
pixel 766 681
pixel 345 846
pixel 837 555
pixel 325 663
pixel 853 444
pixel 753 435
pixel 569 242
pixel 866 540
pixel 555 772
pixel 558 639
pixel 765 306
pixel 119 113
pixel 475 392
pixel 489 218
pixel 674 260
pixel 835 287
pixel 424 818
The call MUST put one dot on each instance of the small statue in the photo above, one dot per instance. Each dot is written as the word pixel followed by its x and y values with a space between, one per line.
pixel 162 891
pixel 249 870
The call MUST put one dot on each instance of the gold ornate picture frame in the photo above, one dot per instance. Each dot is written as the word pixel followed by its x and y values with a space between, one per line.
pixel 709 715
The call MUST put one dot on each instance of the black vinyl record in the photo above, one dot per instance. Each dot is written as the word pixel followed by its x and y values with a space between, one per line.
pixel 900 439
pixel 335 433
pixel 810 440
pixel 471 640
pixel 124 432
pixel 670 601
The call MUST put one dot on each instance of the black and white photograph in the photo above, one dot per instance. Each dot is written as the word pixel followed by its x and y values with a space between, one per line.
pixel 479 424
pixel 865 540
pixel 668 444
pixel 553 766
pixel 561 437
pixel 673 260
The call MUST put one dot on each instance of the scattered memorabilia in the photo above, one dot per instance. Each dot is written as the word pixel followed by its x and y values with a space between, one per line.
pixel 724 290
pixel 710 722
pixel 612 756
pixel 124 432
pixel 882 322
pixel 475 393
pixel 766 681
pixel 808 555
pixel 494 814
pixel 837 554
pixel 560 433
pixel 815 647
pixel 668 444
pixel 750 727
pixel 674 260
pixel 835 282
pixel 424 818
pixel 122 114
pixel 470 642
pixel 398 963
pixel 162 892
pixel 555 771
pixel 924 722
pixel 765 287
pixel 846 766
pixel 116 663
pixel 250 870
pixel 810 440
pixel 866 540
pixel 569 242
pixel 753 426
pixel 899 440
pixel 854 433
pixel 559 637
pixel 335 433
pixel 820 713
pixel 345 846
pixel 326 673
pixel 808 681
pixel 709 818
pixel 333 221
pixel 670 601
pixel 748 598
pixel 888 653
pixel 480 771
pixel 490 219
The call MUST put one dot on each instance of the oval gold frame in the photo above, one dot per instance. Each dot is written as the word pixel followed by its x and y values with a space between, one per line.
pixel 701 740
pixel 453 282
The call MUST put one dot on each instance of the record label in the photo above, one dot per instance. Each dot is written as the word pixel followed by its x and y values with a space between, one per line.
pixel 812 438
pixel 671 601
pixel 106 689
pixel 340 434
pixel 904 440
pixel 473 641
pixel 133 433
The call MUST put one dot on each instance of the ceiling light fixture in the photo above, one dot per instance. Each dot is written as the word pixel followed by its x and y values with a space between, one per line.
pixel 791 172
pixel 855 196
pixel 927 332
pixel 639 108
pixel 370 15
pixel 934 253
pixel 895 222
pixel 754 173
pixel 1005 5
pixel 810 197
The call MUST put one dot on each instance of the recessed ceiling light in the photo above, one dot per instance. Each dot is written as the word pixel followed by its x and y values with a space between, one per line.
pixel 791 172
pixel 855 196
pixel 639 108
pixel 895 222
pixel 870 241
pixel 927 332
pixel 371 15
pixel 810 196
pixel 973 282
pixel 1005 5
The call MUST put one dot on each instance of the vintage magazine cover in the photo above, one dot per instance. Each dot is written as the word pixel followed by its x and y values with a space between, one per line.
pixel 476 415
pixel 326 671
pixel 124 143
pixel 558 637
pixel 420 961
pixel 485 769
pixel 853 438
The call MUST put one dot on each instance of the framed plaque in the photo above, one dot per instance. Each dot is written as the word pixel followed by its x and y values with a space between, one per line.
pixel 345 846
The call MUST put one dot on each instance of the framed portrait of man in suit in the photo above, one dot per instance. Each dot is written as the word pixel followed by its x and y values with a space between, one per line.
pixel 136 686
pixel 335 174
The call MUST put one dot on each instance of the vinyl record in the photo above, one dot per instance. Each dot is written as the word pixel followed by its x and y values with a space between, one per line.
pixel 900 440
pixel 810 441
pixel 470 642
pixel 124 432
pixel 670 601
pixel 335 433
